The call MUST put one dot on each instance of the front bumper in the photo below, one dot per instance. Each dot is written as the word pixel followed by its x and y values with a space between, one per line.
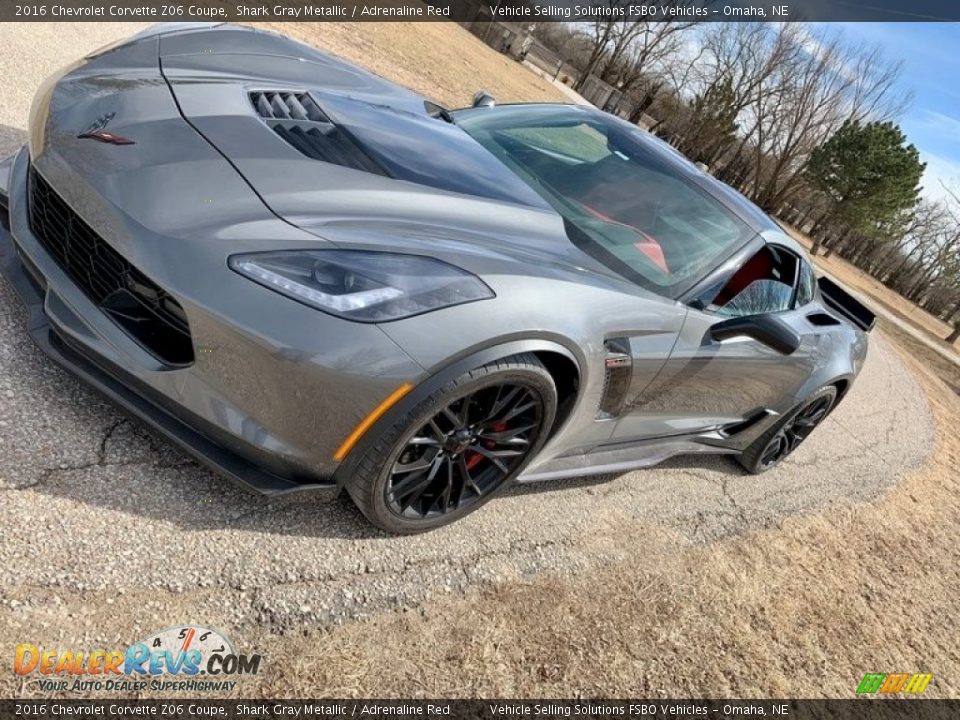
pixel 263 414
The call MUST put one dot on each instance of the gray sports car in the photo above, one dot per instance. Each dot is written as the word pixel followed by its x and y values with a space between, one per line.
pixel 313 279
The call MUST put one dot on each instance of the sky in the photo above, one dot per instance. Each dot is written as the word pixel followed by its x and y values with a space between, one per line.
pixel 931 56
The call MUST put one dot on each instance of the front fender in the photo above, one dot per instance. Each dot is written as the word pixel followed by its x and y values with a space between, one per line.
pixel 446 373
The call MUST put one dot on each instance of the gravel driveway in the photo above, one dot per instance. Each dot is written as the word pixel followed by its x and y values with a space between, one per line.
pixel 101 519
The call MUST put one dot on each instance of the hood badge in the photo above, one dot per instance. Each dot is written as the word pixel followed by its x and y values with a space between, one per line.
pixel 97 132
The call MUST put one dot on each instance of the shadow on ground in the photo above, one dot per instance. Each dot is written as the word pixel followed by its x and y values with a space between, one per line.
pixel 11 139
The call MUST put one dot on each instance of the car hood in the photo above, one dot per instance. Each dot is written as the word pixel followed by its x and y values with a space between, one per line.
pixel 406 178
pixel 181 104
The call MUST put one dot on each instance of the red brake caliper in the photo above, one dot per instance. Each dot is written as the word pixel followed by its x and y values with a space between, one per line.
pixel 473 458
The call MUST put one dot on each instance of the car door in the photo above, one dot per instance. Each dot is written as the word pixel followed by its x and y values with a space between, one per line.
pixel 707 383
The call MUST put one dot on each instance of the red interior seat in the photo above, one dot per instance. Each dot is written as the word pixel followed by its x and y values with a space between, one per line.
pixel 758 267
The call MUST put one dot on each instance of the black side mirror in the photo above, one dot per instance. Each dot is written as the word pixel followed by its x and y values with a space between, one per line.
pixel 767 329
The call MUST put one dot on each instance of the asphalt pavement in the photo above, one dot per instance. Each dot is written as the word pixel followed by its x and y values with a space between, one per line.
pixel 95 508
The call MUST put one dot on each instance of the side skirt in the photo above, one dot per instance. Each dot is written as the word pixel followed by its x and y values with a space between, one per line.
pixel 621 459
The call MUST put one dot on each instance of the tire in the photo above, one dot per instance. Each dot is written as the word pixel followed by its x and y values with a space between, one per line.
pixel 458 432
pixel 779 442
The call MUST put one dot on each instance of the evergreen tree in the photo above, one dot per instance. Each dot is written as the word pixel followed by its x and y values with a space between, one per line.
pixel 871 177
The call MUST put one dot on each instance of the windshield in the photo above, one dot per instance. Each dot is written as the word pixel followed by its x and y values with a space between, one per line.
pixel 625 200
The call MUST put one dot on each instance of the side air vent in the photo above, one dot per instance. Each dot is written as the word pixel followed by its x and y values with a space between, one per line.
pixel 743 426
pixel 821 319
pixel 299 121
pixel 842 302
pixel 617 373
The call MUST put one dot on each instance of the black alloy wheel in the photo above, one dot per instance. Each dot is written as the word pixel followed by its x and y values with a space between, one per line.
pixel 465 451
pixel 779 442
pixel 453 451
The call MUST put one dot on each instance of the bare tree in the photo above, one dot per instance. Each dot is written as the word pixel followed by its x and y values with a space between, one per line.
pixel 600 31
pixel 753 101
pixel 649 45
pixel 811 82
pixel 741 59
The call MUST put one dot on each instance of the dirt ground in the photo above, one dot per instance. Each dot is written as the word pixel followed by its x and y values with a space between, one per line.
pixel 441 61
pixel 802 610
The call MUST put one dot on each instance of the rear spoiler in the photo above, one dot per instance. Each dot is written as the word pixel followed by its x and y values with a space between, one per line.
pixel 842 302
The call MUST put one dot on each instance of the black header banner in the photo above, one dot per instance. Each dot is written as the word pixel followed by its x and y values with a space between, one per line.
pixel 853 709
pixel 519 11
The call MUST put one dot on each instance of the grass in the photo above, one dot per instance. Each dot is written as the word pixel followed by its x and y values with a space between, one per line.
pixel 441 61
pixel 948 372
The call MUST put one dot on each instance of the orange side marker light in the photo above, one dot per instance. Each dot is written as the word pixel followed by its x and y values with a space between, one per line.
pixel 354 437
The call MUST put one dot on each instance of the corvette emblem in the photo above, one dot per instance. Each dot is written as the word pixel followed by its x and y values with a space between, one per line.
pixel 96 131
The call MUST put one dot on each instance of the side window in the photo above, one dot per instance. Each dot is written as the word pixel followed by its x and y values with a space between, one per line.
pixel 764 284
pixel 806 288
pixel 759 298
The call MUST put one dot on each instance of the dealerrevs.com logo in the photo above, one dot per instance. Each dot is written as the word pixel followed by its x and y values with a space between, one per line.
pixel 183 658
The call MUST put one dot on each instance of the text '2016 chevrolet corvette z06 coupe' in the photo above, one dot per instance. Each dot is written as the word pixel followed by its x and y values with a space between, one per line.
pixel 313 279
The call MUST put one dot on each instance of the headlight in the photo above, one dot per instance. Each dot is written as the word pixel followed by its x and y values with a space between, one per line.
pixel 362 285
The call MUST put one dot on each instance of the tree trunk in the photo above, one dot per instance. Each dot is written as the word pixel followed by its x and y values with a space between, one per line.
pixel 600 46
pixel 841 243
pixel 818 224
pixel 645 103
pixel 955 321
pixel 861 252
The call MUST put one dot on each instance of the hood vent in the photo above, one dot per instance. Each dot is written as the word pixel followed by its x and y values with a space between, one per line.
pixel 287 106
pixel 300 122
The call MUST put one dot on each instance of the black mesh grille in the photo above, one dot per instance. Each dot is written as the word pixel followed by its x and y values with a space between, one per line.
pixel 146 311
pixel 299 121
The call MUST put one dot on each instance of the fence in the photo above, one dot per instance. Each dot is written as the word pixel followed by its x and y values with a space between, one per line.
pixel 604 96
pixel 508 38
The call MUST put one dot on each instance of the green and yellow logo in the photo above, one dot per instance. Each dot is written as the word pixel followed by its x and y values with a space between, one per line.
pixel 894 683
